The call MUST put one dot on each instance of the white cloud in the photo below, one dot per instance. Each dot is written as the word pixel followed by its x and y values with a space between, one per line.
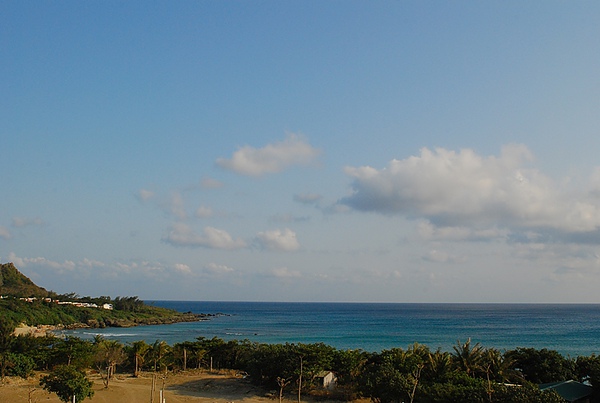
pixel 59 267
pixel 210 183
pixel 176 206
pixel 19 222
pixel 439 256
pixel 5 233
pixel 181 234
pixel 204 212
pixel 145 195
pixel 272 158
pixel 91 271
pixel 308 198
pixel 183 268
pixel 215 268
pixel 288 218
pixel 278 240
pixel 430 232
pixel 285 273
pixel 464 190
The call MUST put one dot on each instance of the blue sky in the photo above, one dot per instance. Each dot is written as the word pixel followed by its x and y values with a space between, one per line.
pixel 303 151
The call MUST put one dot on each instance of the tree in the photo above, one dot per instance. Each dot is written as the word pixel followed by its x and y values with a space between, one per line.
pixel 439 366
pixel 541 366
pixel 394 375
pixel 68 383
pixel 6 341
pixel 588 370
pixel 282 383
pixel 20 365
pixel 468 357
pixel 138 350
pixel 160 354
pixel 109 353
pixel 73 351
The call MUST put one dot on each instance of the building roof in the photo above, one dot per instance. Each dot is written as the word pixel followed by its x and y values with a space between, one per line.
pixel 571 391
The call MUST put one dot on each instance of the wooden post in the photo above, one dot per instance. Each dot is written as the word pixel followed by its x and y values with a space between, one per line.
pixel 184 359
pixel 152 389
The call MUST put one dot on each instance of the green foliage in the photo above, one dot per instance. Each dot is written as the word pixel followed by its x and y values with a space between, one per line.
pixel 468 357
pixel 413 375
pixel 128 311
pixel 73 351
pixel 129 304
pixel 461 387
pixel 20 365
pixel 542 366
pixel 13 282
pixel 40 312
pixel 40 349
pixel 67 381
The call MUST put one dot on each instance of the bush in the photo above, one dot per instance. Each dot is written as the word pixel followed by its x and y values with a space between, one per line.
pixel 20 365
pixel 68 382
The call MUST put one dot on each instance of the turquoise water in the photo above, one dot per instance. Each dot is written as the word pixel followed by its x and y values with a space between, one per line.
pixel 570 329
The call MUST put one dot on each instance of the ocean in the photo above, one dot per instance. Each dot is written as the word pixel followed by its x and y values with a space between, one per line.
pixel 571 329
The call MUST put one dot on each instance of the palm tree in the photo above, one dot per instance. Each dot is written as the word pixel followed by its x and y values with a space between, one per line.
pixel 139 349
pixel 159 352
pixel 439 365
pixel 109 354
pixel 498 366
pixel 468 358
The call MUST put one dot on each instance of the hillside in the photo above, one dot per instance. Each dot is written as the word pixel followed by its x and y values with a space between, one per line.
pixel 22 301
pixel 15 283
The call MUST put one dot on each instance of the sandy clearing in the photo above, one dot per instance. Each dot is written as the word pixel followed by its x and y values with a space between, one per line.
pixel 189 386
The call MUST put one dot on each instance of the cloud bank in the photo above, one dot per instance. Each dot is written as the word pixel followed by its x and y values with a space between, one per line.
pixel 465 190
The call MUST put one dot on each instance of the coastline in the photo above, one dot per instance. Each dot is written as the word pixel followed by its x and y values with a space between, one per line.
pixel 48 330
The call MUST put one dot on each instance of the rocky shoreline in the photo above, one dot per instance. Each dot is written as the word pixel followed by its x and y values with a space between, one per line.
pixel 44 330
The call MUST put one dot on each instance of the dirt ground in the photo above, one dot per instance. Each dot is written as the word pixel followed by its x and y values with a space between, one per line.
pixel 190 386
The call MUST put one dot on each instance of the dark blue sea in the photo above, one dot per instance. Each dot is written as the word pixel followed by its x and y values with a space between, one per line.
pixel 571 329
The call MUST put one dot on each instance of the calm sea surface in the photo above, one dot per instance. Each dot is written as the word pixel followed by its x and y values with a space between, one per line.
pixel 570 329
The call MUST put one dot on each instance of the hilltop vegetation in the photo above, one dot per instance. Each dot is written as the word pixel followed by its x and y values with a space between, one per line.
pixel 14 283
pixel 25 302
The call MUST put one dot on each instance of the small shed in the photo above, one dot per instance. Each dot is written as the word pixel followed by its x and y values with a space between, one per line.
pixel 326 379
pixel 571 391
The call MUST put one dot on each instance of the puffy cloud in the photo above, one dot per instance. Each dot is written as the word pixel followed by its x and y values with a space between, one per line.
pixel 285 273
pixel 443 257
pixel 204 212
pixel 176 206
pixel 215 268
pixel 210 183
pixel 19 222
pixel 58 267
pixel 272 158
pixel 430 232
pixel 181 234
pixel 5 233
pixel 278 240
pixel 183 268
pixel 88 268
pixel 308 198
pixel 287 218
pixel 144 195
pixel 463 189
